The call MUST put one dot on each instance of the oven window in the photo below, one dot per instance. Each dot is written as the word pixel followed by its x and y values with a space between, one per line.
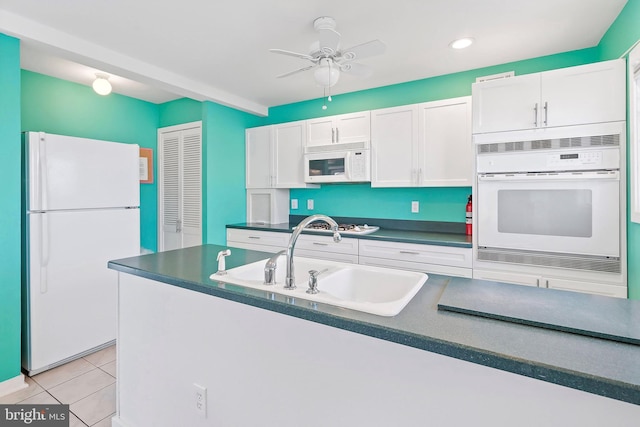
pixel 326 167
pixel 545 212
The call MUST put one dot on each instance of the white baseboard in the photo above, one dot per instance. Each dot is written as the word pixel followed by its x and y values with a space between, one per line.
pixel 12 385
pixel 117 422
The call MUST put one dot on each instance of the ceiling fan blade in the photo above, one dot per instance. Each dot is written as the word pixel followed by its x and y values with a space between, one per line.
pixel 364 50
pixel 329 41
pixel 289 53
pixel 295 71
pixel 359 70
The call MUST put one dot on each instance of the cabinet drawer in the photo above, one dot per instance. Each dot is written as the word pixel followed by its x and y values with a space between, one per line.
pixel 331 256
pixel 411 252
pixel 416 266
pixel 253 237
pixel 326 244
pixel 507 277
pixel 587 287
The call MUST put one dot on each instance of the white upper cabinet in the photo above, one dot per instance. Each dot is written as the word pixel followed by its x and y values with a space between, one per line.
pixel 447 152
pixel 394 146
pixel 422 145
pixel 258 157
pixel 346 130
pixel 274 156
pixel 592 93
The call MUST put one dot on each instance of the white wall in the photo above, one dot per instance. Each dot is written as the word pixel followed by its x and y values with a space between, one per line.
pixel 267 369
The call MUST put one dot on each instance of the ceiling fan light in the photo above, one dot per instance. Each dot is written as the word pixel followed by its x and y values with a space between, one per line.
pixel 326 75
pixel 461 43
pixel 101 84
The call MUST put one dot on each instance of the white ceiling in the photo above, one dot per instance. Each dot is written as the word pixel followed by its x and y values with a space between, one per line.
pixel 218 50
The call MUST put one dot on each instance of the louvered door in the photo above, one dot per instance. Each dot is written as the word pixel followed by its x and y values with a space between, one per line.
pixel 180 186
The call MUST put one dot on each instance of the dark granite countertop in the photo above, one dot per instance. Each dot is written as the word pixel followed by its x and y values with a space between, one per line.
pixel 594 365
pixel 386 234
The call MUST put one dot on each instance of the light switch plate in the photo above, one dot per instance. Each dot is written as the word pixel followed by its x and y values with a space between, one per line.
pixel 310 204
pixel 294 203
pixel 415 206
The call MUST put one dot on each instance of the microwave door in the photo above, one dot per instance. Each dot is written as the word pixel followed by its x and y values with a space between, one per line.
pixel 573 213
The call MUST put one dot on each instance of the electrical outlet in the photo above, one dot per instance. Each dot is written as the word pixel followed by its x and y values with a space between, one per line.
pixel 294 203
pixel 310 204
pixel 415 206
pixel 200 400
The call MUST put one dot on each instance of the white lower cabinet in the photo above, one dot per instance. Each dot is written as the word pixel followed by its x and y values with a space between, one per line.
pixel 323 247
pixel 435 259
pixel 266 241
pixel 592 286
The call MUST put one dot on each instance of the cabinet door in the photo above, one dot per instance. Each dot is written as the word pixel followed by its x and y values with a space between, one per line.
pixel 288 151
pixel 446 152
pixel 507 277
pixel 353 128
pixel 394 142
pixel 507 104
pixel 320 132
pixel 258 157
pixel 591 93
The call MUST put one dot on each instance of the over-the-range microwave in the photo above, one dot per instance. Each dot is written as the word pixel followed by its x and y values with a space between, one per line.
pixel 351 165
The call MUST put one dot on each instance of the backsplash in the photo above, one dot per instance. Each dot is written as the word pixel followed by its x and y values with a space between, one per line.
pixel 362 201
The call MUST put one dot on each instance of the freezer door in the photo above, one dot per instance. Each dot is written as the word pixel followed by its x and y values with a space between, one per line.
pixel 65 172
pixel 71 293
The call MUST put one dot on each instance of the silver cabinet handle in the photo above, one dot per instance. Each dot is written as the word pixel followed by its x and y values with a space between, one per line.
pixel 546 112
pixel 333 136
pixel 535 115
pixel 546 283
pixel 178 226
pixel 320 244
pixel 337 135
pixel 410 252
pixel 254 237
pixel 538 282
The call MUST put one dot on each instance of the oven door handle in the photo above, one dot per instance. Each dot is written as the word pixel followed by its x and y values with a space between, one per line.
pixel 551 176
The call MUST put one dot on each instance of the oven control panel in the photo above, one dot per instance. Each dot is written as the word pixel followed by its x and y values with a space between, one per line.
pixel 579 158
pixel 550 161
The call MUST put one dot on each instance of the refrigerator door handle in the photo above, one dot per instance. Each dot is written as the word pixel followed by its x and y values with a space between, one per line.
pixel 44 252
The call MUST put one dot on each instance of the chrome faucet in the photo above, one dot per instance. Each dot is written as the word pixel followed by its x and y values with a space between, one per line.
pixel 290 281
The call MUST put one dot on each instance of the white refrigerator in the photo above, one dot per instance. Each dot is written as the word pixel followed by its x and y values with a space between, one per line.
pixel 81 199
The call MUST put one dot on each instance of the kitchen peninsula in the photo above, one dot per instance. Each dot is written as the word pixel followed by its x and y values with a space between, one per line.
pixel 265 359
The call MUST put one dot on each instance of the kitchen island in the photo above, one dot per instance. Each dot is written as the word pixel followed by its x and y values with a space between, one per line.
pixel 265 359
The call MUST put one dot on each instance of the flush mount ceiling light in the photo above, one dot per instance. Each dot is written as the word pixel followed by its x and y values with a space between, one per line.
pixel 461 43
pixel 101 84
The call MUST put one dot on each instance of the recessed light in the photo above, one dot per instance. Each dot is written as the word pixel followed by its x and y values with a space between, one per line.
pixel 461 43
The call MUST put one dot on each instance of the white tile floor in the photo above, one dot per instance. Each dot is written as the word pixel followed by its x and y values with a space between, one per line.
pixel 87 384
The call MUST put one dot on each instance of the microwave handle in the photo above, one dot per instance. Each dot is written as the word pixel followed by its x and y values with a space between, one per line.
pixel 347 165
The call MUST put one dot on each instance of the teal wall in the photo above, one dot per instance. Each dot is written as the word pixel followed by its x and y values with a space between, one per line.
pixel 622 34
pixel 436 204
pixel 180 111
pixel 224 174
pixel 10 240
pixel 57 106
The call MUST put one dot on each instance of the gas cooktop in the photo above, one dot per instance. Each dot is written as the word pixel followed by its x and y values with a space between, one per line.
pixel 342 228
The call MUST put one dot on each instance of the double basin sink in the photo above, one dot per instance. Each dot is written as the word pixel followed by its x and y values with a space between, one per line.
pixel 374 290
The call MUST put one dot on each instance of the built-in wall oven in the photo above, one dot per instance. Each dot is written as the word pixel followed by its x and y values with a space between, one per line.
pixel 553 203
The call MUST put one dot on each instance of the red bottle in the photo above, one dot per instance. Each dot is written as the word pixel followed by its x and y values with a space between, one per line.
pixel 469 216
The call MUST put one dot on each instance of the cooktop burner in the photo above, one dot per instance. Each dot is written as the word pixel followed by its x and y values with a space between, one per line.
pixel 343 228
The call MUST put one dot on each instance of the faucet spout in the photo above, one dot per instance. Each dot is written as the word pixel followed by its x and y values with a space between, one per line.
pixel 290 281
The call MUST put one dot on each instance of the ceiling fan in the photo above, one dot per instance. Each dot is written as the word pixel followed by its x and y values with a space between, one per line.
pixel 329 59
